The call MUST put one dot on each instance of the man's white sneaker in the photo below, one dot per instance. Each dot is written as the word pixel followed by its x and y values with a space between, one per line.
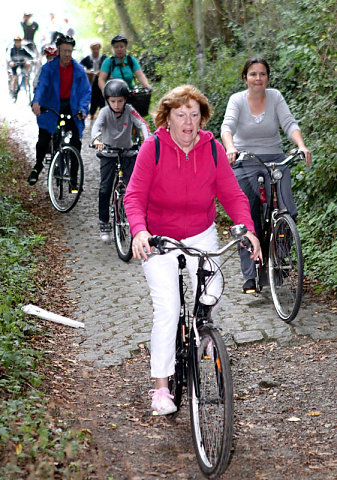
pixel 162 401
pixel 105 231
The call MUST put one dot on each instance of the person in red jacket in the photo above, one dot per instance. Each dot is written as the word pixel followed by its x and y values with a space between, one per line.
pixel 174 196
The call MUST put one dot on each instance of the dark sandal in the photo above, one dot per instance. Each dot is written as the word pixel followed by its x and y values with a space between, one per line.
pixel 249 286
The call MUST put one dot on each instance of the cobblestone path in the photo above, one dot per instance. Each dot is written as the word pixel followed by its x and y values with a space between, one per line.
pixel 113 298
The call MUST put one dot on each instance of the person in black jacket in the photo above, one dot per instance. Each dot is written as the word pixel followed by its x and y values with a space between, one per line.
pixel 92 64
pixel 19 57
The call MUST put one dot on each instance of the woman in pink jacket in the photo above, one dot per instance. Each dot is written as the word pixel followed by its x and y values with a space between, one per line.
pixel 174 195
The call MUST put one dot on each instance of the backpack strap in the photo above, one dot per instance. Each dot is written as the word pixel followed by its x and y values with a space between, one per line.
pixel 157 146
pixel 214 152
pixel 130 62
pixel 113 65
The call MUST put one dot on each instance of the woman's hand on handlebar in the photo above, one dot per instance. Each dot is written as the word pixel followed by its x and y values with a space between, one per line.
pixel 256 253
pixel 232 155
pixel 307 154
pixel 140 245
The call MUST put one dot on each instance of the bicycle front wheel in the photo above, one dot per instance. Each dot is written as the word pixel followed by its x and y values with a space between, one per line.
pixel 286 268
pixel 65 178
pixel 211 413
pixel 123 238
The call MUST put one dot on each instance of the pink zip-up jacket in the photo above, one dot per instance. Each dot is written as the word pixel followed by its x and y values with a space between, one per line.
pixel 175 197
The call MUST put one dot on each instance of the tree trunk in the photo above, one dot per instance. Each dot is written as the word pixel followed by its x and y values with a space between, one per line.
pixel 222 18
pixel 125 20
pixel 200 36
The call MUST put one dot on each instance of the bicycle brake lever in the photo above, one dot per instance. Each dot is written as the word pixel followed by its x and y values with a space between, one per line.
pixel 157 242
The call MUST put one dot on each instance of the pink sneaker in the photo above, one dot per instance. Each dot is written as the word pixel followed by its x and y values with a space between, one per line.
pixel 162 402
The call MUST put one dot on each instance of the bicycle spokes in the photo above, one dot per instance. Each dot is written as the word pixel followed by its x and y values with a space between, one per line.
pixel 286 268
pixel 211 411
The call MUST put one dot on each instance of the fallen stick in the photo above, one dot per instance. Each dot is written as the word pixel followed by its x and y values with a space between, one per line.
pixel 53 317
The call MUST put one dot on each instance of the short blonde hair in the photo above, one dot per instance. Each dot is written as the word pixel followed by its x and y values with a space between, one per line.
pixel 181 96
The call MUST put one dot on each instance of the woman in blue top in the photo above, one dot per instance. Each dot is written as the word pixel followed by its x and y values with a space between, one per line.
pixel 252 123
pixel 121 66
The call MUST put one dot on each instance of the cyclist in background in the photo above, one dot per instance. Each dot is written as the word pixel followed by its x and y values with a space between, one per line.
pixel 29 30
pixel 19 58
pixel 121 65
pixel 64 86
pixel 252 123
pixel 115 122
pixel 50 52
pixel 92 63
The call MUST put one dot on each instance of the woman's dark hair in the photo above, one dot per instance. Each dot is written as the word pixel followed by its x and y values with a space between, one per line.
pixel 251 62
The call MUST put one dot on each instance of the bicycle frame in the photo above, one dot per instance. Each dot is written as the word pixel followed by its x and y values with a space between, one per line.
pixel 272 210
pixel 202 363
pixel 123 238
pixel 118 185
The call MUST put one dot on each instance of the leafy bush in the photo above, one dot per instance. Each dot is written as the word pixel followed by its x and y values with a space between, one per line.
pixel 29 438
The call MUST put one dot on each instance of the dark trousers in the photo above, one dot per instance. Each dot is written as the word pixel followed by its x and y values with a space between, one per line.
pixel 107 171
pixel 43 141
pixel 247 177
pixel 97 99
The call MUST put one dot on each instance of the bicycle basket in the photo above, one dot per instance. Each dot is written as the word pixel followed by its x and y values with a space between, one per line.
pixel 140 101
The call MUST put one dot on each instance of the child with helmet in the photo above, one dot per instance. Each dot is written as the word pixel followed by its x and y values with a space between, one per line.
pixel 50 51
pixel 113 127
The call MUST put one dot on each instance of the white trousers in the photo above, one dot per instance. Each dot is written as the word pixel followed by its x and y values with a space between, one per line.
pixel 161 272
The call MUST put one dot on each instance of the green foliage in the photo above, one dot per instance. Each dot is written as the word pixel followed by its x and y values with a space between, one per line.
pixel 29 438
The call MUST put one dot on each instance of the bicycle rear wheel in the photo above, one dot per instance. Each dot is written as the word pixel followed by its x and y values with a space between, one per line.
pixel 123 238
pixel 286 268
pixel 65 178
pixel 212 413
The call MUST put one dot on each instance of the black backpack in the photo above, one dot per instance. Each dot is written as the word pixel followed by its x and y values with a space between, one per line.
pixel 157 146
pixel 113 64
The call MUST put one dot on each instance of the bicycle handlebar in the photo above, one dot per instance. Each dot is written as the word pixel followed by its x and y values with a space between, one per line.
pixel 46 109
pixel 109 149
pixel 237 231
pixel 296 153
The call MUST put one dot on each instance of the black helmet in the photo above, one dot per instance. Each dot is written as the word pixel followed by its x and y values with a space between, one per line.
pixel 116 88
pixel 64 39
pixel 119 38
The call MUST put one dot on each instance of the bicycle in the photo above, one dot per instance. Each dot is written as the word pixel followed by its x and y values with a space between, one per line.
pixel 202 365
pixel 121 227
pixel 282 261
pixel 66 170
pixel 22 83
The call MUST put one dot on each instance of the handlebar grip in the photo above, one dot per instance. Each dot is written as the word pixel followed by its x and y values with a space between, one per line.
pixel 247 243
pixel 154 241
